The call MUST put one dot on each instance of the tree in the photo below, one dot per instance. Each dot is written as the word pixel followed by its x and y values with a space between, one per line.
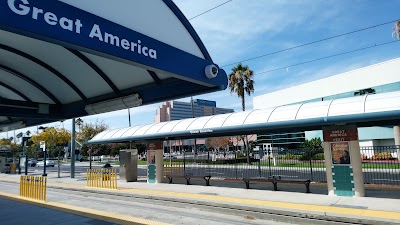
pixel 5 141
pixel 86 132
pixel 241 82
pixel 89 130
pixel 55 139
pixel 312 147
pixel 217 142
pixel 313 144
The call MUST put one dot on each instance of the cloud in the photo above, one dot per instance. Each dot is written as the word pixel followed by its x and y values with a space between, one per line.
pixel 237 28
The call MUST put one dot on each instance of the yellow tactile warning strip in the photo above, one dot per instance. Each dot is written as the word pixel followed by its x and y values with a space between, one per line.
pixel 86 212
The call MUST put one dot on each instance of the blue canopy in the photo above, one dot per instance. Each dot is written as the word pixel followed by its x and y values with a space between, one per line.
pixel 64 59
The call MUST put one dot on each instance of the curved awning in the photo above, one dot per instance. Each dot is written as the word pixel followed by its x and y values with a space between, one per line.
pixel 368 110
pixel 65 59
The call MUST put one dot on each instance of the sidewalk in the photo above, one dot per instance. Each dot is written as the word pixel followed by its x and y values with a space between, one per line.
pixel 382 205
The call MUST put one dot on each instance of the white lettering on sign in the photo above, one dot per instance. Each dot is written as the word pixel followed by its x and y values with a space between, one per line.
pixel 24 9
pixel 118 42
pixel 201 131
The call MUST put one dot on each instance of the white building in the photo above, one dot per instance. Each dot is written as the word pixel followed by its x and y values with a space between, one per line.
pixel 377 78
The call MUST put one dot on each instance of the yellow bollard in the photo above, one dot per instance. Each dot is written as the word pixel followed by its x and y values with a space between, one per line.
pixel 33 187
pixel 101 178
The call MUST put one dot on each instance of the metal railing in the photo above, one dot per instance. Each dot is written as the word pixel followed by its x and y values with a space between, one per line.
pixel 102 178
pixel 380 164
pixel 33 187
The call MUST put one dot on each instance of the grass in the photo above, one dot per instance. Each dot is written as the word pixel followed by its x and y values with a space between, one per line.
pixel 306 164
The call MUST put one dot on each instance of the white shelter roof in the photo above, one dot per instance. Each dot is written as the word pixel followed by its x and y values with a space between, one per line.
pixel 367 110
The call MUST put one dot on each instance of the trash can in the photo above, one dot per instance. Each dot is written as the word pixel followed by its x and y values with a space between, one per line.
pixel 7 168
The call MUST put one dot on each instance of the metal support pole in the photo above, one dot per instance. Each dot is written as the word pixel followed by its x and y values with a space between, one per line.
pixel 90 158
pixel 269 162
pixel 26 164
pixel 311 171
pixel 73 149
pixel 44 164
pixel 58 163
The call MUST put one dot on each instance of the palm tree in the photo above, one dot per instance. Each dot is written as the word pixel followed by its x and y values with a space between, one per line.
pixel 241 82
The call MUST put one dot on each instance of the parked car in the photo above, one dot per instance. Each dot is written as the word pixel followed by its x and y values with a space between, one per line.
pixel 170 156
pixel 48 163
pixel 32 162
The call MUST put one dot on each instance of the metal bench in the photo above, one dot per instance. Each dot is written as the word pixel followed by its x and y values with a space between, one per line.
pixel 275 180
pixel 188 177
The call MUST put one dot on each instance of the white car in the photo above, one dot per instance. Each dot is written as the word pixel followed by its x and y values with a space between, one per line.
pixel 48 163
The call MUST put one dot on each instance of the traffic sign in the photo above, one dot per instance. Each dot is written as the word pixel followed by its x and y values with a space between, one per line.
pixel 43 145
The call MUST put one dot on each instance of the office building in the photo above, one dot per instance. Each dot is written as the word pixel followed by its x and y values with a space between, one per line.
pixel 175 110
pixel 378 78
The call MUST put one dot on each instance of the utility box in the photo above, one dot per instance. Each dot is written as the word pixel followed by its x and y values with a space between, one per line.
pixel 2 164
pixel 128 159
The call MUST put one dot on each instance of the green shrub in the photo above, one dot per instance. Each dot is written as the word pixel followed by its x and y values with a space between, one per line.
pixel 291 156
pixel 382 156
pixel 240 155
pixel 319 156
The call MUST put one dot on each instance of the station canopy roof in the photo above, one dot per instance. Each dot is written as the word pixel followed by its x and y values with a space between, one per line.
pixel 66 58
pixel 367 110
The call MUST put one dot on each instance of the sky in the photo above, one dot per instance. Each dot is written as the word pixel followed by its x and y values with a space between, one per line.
pixel 242 29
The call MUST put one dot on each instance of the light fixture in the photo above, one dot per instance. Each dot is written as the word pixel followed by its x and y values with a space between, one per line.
pixel 125 102
pixel 12 126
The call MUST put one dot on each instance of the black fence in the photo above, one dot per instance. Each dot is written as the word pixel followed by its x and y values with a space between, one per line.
pixel 380 164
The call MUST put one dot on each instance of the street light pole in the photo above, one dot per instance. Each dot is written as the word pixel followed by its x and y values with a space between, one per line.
pixel 73 149
pixel 43 145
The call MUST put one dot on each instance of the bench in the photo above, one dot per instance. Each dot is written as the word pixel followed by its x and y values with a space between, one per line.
pixel 275 180
pixel 188 176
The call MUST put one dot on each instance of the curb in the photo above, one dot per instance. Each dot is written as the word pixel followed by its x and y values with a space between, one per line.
pixel 84 212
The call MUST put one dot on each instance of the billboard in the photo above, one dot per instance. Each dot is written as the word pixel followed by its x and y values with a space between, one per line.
pixel 340 153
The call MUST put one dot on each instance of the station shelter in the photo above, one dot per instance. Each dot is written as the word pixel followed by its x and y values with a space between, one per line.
pixel 339 120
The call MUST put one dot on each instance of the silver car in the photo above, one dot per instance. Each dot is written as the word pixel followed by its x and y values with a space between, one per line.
pixel 48 163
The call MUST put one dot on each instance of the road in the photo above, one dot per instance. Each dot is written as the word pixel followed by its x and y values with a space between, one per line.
pixel 237 172
pixel 167 212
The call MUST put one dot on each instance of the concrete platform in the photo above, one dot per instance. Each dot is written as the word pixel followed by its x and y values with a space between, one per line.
pixel 380 207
